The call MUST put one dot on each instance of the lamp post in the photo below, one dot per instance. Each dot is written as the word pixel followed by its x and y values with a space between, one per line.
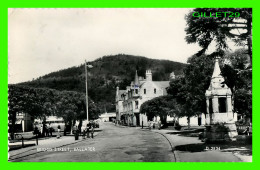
pixel 86 72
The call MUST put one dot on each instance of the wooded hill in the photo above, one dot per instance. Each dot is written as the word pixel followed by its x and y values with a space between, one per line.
pixel 107 73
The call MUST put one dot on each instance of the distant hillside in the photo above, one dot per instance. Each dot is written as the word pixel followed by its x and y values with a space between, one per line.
pixel 107 73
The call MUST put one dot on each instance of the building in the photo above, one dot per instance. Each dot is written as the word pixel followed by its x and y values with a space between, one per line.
pixel 119 103
pixel 140 90
pixel 108 117
pixel 24 122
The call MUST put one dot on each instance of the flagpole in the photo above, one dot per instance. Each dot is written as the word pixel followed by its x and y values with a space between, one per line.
pixel 86 72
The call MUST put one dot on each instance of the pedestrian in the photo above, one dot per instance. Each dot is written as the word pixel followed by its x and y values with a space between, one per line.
pixel 58 136
pixel 159 124
pixel 76 133
pixel 46 130
pixel 250 129
pixel 92 132
pixel 88 127
pixel 36 130
pixel 50 129
pixel 41 130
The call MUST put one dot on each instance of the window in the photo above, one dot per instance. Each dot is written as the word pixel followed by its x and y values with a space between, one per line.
pixel 136 91
pixel 222 105
pixel 144 91
pixel 154 91
pixel 136 104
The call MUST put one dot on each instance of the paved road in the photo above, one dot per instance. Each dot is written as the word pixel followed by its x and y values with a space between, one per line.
pixel 112 144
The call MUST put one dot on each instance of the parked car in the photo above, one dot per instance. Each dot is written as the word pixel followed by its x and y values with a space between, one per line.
pixel 96 124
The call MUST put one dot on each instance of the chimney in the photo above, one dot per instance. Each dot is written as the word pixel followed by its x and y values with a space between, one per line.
pixel 141 78
pixel 148 75
pixel 117 90
pixel 172 76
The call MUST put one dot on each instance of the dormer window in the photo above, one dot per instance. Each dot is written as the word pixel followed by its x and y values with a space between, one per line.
pixel 144 91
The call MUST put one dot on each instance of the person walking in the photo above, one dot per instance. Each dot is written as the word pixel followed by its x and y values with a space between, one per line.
pixel 50 129
pixel 150 125
pixel 159 125
pixel 153 124
pixel 76 132
pixel 41 130
pixel 58 136
pixel 47 130
pixel 92 131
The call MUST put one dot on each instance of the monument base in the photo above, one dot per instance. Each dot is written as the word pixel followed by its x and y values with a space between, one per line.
pixel 220 132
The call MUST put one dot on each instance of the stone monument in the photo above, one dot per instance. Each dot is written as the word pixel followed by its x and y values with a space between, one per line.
pixel 220 119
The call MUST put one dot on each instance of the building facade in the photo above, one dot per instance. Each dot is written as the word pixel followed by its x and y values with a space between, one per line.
pixel 107 117
pixel 130 100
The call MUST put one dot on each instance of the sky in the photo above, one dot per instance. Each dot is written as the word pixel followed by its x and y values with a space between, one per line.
pixel 41 41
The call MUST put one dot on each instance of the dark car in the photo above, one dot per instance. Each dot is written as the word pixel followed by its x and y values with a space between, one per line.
pixel 96 124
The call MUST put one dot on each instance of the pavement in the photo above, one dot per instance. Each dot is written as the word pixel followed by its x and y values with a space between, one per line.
pixel 43 144
pixel 191 149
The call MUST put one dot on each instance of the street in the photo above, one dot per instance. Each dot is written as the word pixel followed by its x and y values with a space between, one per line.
pixel 131 144
pixel 112 144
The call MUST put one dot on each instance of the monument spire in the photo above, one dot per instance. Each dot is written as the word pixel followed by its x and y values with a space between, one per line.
pixel 136 82
pixel 217 71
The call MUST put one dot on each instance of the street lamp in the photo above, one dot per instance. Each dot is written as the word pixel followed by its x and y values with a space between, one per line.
pixel 86 72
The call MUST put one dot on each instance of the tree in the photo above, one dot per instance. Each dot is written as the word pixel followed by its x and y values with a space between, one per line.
pixel 189 89
pixel 71 106
pixel 239 79
pixel 15 105
pixel 42 102
pixel 159 106
pixel 205 30
pixel 22 99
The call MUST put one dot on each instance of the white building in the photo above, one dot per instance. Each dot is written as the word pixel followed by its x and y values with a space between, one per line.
pixel 130 100
pixel 107 117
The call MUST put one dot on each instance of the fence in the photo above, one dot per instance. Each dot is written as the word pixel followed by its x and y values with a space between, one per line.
pixel 19 141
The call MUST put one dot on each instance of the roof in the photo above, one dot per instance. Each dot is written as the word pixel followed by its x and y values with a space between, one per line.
pixel 163 85
pixel 107 115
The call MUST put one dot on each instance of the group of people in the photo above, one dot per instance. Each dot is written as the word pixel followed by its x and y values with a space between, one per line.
pixel 151 124
pixel 45 130
pixel 88 129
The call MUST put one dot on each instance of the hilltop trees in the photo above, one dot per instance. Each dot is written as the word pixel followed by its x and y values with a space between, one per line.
pixel 107 73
